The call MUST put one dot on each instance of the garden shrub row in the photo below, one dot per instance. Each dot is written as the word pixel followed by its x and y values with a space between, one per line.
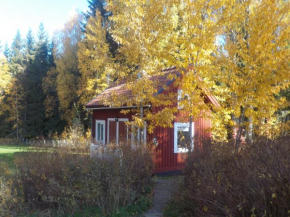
pixel 69 181
pixel 221 181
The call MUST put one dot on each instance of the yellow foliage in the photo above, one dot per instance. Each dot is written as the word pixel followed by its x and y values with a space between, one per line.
pixel 245 71
pixel 95 62
pixel 252 66
pixel 5 76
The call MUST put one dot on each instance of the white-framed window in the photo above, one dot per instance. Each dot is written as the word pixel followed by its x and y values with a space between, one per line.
pixel 100 131
pixel 135 134
pixel 182 141
pixel 180 97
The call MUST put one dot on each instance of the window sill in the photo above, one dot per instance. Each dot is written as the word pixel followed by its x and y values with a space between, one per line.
pixel 181 150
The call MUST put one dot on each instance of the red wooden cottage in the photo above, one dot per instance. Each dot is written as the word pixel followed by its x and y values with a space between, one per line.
pixel 109 125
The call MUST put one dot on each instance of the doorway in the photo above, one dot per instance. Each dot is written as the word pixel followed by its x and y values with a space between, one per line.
pixel 117 130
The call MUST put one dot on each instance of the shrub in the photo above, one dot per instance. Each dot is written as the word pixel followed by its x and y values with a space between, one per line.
pixel 68 180
pixel 219 181
pixel 8 198
pixel 8 141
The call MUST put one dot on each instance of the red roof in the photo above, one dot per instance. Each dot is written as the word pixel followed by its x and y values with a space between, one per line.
pixel 166 77
pixel 119 88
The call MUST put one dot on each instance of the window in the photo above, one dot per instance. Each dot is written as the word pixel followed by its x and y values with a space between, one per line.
pixel 135 134
pixel 182 141
pixel 180 98
pixel 100 131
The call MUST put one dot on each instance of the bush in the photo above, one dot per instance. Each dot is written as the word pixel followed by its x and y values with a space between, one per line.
pixel 64 180
pixel 219 181
pixel 9 203
pixel 8 141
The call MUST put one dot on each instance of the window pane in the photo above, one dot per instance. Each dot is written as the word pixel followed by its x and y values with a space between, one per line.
pixel 99 136
pixel 183 140
pixel 102 132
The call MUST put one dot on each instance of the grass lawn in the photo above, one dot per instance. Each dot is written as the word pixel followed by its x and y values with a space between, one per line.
pixel 7 156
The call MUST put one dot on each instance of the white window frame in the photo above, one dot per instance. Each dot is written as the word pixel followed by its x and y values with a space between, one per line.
pixel 179 98
pixel 117 128
pixel 138 133
pixel 176 126
pixel 104 130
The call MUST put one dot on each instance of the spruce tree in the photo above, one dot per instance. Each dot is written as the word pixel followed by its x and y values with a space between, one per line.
pixel 35 73
pixel 53 122
pixel 95 5
pixel 16 55
pixel 6 52
pixel 29 53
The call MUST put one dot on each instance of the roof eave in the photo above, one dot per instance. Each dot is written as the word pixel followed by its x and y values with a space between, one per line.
pixel 118 107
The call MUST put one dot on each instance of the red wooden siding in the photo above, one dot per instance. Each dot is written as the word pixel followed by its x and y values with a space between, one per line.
pixel 165 158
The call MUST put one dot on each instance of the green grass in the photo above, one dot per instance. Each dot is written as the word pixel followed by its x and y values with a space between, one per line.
pixel 7 156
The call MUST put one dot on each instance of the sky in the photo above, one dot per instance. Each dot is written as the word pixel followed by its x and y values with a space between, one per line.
pixel 24 14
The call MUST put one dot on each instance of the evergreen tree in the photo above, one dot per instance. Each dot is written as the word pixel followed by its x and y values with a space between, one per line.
pixel 29 53
pixel 53 122
pixel 35 73
pixel 95 5
pixel 6 52
pixel 16 55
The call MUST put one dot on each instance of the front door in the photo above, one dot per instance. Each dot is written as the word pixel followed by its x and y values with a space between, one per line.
pixel 112 132
pixel 117 130
pixel 123 131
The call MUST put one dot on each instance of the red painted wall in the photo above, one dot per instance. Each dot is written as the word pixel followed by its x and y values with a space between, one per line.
pixel 165 158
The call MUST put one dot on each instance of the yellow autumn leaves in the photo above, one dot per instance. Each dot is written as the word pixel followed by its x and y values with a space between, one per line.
pixel 5 76
pixel 245 71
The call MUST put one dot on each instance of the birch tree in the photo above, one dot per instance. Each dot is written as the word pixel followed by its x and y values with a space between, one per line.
pixel 95 60
pixel 66 60
pixel 154 35
pixel 245 72
pixel 254 63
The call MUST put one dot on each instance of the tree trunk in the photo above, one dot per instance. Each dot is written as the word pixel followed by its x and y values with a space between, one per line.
pixel 250 131
pixel 141 136
pixel 190 133
pixel 240 128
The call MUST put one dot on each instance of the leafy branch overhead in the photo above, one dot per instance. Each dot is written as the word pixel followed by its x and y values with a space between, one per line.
pixel 237 49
